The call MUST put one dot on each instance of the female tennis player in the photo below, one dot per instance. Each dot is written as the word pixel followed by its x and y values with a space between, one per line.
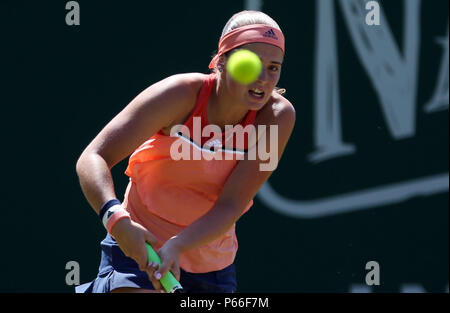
pixel 187 209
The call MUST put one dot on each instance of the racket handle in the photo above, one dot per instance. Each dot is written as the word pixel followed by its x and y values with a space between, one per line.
pixel 168 281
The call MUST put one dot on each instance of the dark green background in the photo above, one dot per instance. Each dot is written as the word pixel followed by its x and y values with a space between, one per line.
pixel 61 84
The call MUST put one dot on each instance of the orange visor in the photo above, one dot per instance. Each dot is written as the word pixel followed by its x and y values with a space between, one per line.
pixel 248 34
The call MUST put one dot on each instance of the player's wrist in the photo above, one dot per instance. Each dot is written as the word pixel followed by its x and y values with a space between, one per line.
pixel 111 213
pixel 121 228
pixel 177 243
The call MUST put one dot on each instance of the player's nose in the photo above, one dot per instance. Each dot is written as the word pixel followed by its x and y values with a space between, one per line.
pixel 263 76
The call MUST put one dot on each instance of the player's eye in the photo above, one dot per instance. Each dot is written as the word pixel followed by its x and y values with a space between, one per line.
pixel 274 68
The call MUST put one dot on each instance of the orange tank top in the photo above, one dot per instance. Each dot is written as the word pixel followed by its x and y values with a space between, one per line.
pixel 165 195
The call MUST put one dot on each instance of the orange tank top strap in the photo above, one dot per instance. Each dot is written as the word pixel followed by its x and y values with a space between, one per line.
pixel 202 102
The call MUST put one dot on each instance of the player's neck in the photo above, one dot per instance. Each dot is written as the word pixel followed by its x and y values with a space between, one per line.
pixel 222 109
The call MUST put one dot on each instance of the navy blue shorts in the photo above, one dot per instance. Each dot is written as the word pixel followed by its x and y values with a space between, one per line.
pixel 116 270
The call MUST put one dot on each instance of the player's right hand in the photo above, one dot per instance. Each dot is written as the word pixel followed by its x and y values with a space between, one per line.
pixel 131 237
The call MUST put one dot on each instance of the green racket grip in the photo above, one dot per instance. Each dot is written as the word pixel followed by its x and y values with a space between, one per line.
pixel 168 281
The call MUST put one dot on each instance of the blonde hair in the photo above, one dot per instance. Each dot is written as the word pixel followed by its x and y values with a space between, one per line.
pixel 249 17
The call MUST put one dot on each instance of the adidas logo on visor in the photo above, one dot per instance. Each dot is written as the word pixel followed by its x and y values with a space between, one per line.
pixel 270 33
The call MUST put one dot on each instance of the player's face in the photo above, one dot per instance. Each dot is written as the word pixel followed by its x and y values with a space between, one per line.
pixel 255 95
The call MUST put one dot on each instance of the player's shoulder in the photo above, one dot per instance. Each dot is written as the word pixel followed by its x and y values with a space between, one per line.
pixel 180 92
pixel 185 83
pixel 282 107
pixel 278 110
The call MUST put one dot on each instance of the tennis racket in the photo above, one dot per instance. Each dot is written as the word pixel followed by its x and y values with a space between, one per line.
pixel 168 281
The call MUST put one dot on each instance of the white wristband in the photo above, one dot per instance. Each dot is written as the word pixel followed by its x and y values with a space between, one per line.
pixel 110 212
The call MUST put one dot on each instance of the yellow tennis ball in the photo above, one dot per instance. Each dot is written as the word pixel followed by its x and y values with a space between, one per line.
pixel 244 66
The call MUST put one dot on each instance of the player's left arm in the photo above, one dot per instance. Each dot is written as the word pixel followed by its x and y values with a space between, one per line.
pixel 244 181
pixel 249 175
pixel 240 187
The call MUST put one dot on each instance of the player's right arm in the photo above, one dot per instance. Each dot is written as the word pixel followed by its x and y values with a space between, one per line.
pixel 155 108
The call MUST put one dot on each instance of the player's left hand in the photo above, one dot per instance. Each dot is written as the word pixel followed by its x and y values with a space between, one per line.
pixel 169 255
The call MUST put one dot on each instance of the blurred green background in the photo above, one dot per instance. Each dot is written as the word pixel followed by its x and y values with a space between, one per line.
pixel 61 84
